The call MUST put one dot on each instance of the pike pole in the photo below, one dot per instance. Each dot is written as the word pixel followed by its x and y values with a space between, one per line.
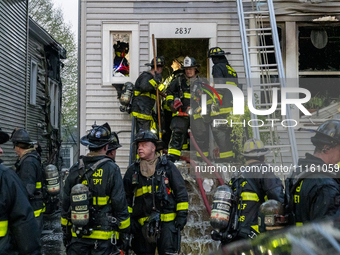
pixel 157 91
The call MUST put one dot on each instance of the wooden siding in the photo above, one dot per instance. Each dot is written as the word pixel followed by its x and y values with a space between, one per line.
pixel 36 113
pixel 13 38
pixel 100 102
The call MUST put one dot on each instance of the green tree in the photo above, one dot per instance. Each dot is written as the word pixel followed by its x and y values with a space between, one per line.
pixel 52 20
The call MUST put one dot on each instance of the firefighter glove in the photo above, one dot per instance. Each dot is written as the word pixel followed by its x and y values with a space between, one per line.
pixel 177 103
pixel 181 220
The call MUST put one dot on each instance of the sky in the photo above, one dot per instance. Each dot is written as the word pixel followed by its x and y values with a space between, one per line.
pixel 70 10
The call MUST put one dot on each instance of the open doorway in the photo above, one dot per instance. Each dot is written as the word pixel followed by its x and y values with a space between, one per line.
pixel 174 48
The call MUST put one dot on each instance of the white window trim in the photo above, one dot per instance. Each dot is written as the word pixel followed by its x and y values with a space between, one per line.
pixel 33 82
pixel 197 30
pixel 107 52
pixel 54 107
pixel 71 154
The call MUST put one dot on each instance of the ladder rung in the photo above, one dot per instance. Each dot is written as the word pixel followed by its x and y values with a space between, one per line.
pixel 262 52
pixel 256 12
pixel 260 71
pixel 262 47
pixel 264 65
pixel 257 17
pixel 267 84
pixel 259 34
pixel 259 29
pixel 268 104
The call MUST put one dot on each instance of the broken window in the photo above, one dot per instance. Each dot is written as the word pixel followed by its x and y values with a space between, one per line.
pixel 121 55
pixel 319 63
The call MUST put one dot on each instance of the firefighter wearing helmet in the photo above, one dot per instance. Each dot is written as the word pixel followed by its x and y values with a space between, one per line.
pixel 252 187
pixel 184 95
pixel 94 209
pixel 157 199
pixel 224 74
pixel 30 171
pixel 313 190
pixel 17 221
pixel 113 146
pixel 145 95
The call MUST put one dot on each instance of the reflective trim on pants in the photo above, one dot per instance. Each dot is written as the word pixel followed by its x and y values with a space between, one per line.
pixel 204 153
pixel 3 228
pixel 142 116
pixel 174 152
pixel 227 154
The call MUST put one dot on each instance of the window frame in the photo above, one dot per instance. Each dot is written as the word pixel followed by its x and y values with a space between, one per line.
pixel 107 50
pixel 54 106
pixel 33 82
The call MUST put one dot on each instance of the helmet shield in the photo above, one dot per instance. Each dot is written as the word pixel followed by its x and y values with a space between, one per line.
pixel 98 137
pixel 190 62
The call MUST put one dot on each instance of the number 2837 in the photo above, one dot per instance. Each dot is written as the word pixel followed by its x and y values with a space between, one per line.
pixel 183 30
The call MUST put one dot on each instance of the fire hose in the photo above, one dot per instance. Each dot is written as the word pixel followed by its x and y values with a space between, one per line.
pixel 192 139
pixel 198 176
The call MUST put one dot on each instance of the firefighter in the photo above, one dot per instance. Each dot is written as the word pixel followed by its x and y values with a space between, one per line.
pixel 183 98
pixel 30 171
pixel 145 95
pixel 113 146
pixel 101 193
pixel 252 188
pixel 177 71
pixel 157 199
pixel 120 63
pixel 222 73
pixel 313 188
pixel 18 227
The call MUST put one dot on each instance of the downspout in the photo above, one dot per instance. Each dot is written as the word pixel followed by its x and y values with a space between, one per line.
pixel 26 69
pixel 79 70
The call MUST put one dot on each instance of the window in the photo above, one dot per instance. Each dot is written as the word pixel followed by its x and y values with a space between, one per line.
pixel 67 154
pixel 120 53
pixel 33 83
pixel 54 107
pixel 319 62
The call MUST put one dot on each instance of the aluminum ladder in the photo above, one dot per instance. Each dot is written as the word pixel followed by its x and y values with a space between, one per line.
pixel 263 75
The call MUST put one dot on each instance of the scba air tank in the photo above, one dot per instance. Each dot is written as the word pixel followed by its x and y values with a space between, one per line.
pixel 221 209
pixel 80 212
pixel 52 180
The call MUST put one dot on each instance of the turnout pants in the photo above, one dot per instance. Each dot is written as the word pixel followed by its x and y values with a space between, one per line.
pixel 200 131
pixel 223 138
pixel 166 243
pixel 83 246
pixel 179 126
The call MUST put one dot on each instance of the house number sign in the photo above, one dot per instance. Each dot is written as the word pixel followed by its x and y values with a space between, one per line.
pixel 182 30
